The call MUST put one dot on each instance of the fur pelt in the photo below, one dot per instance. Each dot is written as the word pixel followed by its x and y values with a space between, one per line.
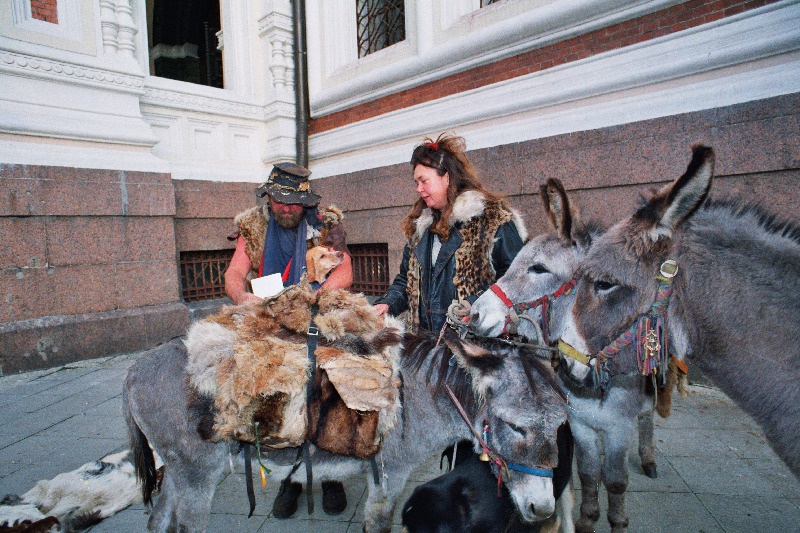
pixel 479 219
pixel 252 360
pixel 74 500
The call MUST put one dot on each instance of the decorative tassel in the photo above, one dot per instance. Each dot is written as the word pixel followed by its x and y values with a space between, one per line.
pixel 263 470
pixel 484 456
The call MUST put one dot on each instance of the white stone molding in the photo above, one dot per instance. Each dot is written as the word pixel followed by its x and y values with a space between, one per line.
pixel 108 26
pixel 276 29
pixel 126 30
pixel 750 56
pixel 503 30
pixel 39 67
pixel 74 31
pixel 189 97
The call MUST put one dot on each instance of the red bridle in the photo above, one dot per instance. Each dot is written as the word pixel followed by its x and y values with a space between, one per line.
pixel 515 309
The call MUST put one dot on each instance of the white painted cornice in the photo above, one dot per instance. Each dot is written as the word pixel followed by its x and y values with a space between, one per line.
pixel 62 71
pixel 528 30
pixel 747 57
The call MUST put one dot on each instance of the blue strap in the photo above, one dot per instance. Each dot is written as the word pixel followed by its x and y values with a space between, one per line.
pixel 541 472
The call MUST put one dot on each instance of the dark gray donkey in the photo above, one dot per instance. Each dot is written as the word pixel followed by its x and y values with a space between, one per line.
pixel 536 288
pixel 503 386
pixel 733 307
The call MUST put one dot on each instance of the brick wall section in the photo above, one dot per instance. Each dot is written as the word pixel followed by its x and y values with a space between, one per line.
pixel 87 251
pixel 46 10
pixel 204 212
pixel 676 18
pixel 607 170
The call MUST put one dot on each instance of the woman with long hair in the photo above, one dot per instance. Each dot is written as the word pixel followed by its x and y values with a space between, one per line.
pixel 460 237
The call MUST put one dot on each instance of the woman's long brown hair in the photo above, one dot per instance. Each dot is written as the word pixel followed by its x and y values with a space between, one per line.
pixel 445 155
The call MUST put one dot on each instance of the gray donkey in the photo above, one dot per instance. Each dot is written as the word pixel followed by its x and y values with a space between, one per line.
pixel 502 386
pixel 538 281
pixel 732 309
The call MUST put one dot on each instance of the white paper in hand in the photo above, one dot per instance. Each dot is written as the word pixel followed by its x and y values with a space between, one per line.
pixel 267 286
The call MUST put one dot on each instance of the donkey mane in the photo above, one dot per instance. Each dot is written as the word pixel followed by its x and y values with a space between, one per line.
pixel 769 222
pixel 419 348
pixel 586 232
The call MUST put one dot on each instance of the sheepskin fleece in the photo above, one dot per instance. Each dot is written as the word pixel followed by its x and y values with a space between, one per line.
pixel 252 360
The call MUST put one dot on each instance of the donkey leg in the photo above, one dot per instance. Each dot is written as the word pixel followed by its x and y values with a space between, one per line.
pixel 615 474
pixel 647 450
pixel 382 499
pixel 587 455
pixel 187 492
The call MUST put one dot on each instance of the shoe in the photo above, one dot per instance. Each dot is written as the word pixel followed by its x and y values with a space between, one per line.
pixel 285 503
pixel 334 499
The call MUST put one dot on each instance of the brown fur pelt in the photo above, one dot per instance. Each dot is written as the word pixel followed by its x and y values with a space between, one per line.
pixel 675 378
pixel 252 360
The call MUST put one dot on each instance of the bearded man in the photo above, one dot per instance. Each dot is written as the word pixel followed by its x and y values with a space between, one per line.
pixel 274 238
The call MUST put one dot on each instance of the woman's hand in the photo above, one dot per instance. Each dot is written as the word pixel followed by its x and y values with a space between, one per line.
pixel 381 309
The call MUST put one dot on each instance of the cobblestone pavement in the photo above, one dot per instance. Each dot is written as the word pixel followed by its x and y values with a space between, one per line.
pixel 716 471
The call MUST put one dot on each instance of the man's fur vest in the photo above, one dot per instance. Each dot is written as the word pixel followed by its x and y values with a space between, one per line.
pixel 252 226
pixel 477 221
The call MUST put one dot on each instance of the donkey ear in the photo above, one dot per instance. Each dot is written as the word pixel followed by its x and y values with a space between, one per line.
pixel 479 362
pixel 675 203
pixel 561 213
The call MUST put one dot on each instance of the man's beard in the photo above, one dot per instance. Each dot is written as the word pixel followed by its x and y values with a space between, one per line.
pixel 290 221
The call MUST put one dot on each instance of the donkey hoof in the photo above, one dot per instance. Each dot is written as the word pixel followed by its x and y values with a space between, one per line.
pixel 650 470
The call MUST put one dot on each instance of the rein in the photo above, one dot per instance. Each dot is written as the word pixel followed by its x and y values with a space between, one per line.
pixel 488 454
pixel 648 331
pixel 517 311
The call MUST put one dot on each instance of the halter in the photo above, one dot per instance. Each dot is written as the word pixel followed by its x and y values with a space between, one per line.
pixel 491 456
pixel 648 331
pixel 516 311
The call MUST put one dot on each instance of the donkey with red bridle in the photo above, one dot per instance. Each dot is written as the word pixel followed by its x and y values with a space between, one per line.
pixel 716 281
pixel 533 300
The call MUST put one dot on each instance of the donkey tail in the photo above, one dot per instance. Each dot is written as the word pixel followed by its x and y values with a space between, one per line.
pixel 144 461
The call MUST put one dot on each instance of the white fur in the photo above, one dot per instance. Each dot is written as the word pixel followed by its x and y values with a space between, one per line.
pixel 468 205
pixel 79 492
pixel 207 343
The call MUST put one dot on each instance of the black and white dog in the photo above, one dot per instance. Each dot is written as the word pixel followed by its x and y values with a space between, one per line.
pixel 466 499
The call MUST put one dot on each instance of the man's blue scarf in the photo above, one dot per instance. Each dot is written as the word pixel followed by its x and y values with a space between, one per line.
pixel 285 245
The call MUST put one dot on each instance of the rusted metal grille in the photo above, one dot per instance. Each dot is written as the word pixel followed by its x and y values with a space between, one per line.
pixel 380 23
pixel 370 268
pixel 202 274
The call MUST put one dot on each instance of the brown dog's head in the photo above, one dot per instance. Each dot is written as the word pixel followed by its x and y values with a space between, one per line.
pixel 320 260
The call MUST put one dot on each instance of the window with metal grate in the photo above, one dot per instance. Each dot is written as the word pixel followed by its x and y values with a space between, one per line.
pixel 380 23
pixel 202 274
pixel 370 268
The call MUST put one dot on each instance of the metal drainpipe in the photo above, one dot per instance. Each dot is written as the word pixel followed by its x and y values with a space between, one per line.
pixel 302 111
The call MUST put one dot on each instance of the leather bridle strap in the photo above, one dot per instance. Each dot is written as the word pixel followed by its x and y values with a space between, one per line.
pixel 495 288
pixel 514 310
pixel 495 457
pixel 313 334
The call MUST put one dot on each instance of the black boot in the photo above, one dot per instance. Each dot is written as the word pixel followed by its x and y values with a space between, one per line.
pixel 285 503
pixel 334 499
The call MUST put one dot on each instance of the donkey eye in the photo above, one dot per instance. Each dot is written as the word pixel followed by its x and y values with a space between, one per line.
pixel 604 287
pixel 538 268
pixel 516 428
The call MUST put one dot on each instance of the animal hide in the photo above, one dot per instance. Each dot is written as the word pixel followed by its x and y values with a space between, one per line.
pixel 252 360
pixel 74 500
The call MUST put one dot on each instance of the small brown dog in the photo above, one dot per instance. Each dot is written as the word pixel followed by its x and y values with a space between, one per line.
pixel 320 260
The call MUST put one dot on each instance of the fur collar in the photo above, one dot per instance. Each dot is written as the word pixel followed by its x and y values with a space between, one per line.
pixel 468 205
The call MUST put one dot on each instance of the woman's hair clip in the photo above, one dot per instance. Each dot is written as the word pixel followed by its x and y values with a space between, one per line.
pixel 432 145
